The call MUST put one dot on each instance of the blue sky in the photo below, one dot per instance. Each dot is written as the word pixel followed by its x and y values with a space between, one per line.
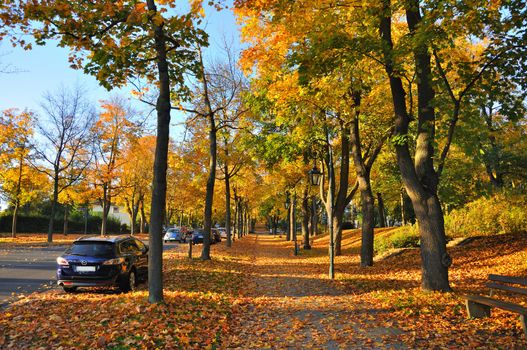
pixel 45 68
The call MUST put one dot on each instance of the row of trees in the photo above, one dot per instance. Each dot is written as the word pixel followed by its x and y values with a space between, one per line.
pixel 379 86
pixel 76 157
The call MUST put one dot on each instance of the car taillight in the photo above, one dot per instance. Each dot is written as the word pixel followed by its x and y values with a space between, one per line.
pixel 114 261
pixel 62 262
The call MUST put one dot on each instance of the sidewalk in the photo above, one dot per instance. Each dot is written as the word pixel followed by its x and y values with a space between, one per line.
pixel 290 304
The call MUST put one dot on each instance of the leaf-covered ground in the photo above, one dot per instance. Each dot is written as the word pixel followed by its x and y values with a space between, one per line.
pixel 257 295
pixel 293 306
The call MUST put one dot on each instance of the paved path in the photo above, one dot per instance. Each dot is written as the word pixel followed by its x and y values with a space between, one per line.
pixel 26 270
pixel 292 305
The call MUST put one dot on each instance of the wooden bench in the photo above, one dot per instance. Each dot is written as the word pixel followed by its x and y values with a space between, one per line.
pixel 479 306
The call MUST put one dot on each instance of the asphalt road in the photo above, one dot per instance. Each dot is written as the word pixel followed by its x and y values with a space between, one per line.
pixel 26 270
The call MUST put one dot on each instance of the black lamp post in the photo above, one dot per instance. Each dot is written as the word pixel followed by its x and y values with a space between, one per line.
pixel 315 175
pixel 287 205
pixel 293 222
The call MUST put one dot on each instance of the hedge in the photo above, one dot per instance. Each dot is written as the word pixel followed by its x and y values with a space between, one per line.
pixel 39 224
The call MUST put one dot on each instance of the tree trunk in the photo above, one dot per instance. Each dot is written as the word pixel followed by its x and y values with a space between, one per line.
pixel 53 206
pixel 15 219
pixel 419 178
pixel 209 198
pixel 227 195
pixel 435 258
pixel 65 226
pixel 289 225
pixel 17 195
pixel 492 163
pixel 382 216
pixel 142 223
pixel 235 224
pixel 305 218
pixel 133 219
pixel 342 199
pixel 293 218
pixel 241 232
pixel 132 223
pixel 368 223
pixel 314 216
pixel 228 206
pixel 245 219
pixel 337 231
pixel 404 218
pixel 105 209
pixel 86 214
pixel 363 177
pixel 159 185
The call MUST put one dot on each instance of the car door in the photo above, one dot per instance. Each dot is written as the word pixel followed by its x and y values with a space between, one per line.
pixel 126 248
pixel 141 257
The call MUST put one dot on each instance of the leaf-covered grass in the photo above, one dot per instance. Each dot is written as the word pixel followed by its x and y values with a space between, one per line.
pixel 28 240
pixel 198 301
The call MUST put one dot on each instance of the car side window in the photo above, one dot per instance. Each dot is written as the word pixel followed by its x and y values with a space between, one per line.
pixel 127 247
pixel 140 245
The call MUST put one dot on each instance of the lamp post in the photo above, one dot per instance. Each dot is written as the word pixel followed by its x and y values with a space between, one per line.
pixel 293 222
pixel 314 177
pixel 287 205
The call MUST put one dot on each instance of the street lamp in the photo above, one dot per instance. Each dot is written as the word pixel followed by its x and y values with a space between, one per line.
pixel 315 175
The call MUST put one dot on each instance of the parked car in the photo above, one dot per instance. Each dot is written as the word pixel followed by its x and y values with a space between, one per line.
pixel 215 236
pixel 174 234
pixel 223 232
pixel 120 261
pixel 197 236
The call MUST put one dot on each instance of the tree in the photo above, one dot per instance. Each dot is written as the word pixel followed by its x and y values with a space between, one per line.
pixel 215 100
pixel 136 176
pixel 117 42
pixel 63 152
pixel 113 131
pixel 20 182
pixel 231 162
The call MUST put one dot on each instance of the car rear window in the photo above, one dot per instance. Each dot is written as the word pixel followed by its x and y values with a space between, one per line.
pixel 102 249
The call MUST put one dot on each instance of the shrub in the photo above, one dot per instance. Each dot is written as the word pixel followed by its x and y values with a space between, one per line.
pixel 403 237
pixel 347 225
pixel 498 214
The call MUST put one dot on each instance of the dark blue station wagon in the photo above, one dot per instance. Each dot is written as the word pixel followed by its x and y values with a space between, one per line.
pixel 119 261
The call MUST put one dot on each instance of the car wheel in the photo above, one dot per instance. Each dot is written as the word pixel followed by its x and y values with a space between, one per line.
pixel 69 289
pixel 128 282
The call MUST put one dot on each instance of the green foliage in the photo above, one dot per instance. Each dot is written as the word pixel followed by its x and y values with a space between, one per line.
pixel 403 237
pixel 499 214
pixel 400 140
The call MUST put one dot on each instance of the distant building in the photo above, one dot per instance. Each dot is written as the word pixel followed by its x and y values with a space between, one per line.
pixel 117 212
